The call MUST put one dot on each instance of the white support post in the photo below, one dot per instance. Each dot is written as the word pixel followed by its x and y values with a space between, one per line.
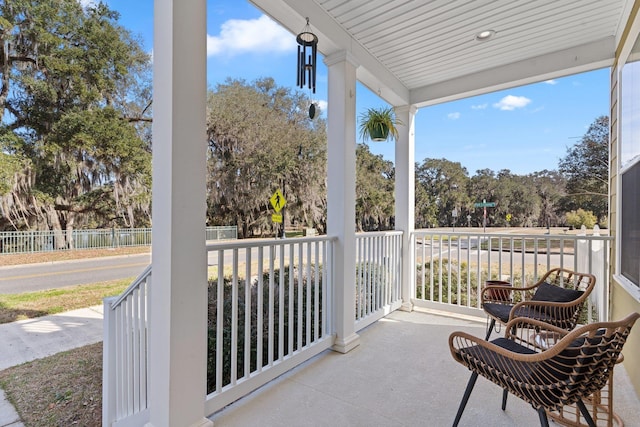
pixel 341 193
pixel 178 297
pixel 405 198
pixel 108 362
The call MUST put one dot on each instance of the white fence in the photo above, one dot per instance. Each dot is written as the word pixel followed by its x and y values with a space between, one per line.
pixel 453 266
pixel 16 242
pixel 125 374
pixel 270 309
pixel 378 275
pixel 270 301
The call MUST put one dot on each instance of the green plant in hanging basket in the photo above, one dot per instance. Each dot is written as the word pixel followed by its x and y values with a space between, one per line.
pixel 379 124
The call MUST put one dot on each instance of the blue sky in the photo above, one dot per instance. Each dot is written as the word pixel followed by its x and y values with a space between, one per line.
pixel 525 130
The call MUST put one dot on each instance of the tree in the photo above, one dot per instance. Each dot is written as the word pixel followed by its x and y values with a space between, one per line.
pixel 68 75
pixel 374 191
pixel 514 198
pixel 445 185
pixel 483 186
pixel 586 168
pixel 260 140
pixel 550 188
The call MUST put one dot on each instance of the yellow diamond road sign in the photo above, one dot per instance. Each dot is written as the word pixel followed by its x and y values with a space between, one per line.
pixel 278 201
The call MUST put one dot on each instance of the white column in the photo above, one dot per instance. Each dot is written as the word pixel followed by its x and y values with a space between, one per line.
pixel 405 198
pixel 341 193
pixel 178 295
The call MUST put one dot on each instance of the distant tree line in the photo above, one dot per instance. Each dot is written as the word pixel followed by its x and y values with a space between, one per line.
pixel 75 145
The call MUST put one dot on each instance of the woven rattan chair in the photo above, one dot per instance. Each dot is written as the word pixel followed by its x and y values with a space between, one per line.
pixel 557 298
pixel 546 366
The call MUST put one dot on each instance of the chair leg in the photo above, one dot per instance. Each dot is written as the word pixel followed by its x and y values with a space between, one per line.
pixel 505 393
pixel 491 325
pixel 544 421
pixel 585 413
pixel 465 398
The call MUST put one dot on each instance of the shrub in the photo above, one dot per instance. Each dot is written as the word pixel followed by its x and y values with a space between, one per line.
pixel 291 302
pixel 577 219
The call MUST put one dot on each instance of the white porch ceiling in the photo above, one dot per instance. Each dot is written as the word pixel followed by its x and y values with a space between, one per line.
pixel 424 52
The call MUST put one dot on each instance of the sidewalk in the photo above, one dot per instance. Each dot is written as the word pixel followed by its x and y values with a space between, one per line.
pixel 31 339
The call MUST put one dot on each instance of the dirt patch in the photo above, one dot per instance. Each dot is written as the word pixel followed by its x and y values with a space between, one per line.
pixel 40 257
pixel 60 390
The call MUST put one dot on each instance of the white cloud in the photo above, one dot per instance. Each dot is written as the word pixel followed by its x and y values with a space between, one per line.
pixel 453 116
pixel 322 104
pixel 260 35
pixel 551 82
pixel 479 106
pixel 510 102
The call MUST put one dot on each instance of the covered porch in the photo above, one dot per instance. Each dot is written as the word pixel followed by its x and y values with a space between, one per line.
pixel 401 375
pixel 164 322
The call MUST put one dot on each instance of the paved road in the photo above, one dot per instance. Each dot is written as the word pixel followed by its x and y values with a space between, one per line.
pixel 34 277
pixel 505 257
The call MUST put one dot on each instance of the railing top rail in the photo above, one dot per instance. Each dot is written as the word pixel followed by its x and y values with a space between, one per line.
pixel 142 277
pixel 513 235
pixel 379 233
pixel 255 243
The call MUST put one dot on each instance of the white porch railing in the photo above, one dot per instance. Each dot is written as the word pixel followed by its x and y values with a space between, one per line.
pixel 378 275
pixel 125 374
pixel 271 308
pixel 269 311
pixel 453 266
pixel 273 302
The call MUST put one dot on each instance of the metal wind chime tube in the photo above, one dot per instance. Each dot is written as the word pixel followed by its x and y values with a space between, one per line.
pixel 307 53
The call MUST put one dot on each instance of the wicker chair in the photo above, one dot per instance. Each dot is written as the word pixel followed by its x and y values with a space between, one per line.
pixel 557 298
pixel 544 365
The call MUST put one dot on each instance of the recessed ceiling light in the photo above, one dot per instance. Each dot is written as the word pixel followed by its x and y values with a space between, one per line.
pixel 485 35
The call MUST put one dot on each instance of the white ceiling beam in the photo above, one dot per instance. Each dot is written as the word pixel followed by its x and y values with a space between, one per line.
pixel 580 59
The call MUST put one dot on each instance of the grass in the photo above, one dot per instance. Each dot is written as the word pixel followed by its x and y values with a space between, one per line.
pixel 60 390
pixel 64 389
pixel 42 303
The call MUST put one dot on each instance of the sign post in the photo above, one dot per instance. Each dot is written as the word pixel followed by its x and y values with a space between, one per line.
pixel 484 205
pixel 454 214
pixel 278 202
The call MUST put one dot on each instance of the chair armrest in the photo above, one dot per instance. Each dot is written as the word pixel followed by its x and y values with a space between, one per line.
pixel 488 291
pixel 558 311
pixel 523 331
pixel 534 334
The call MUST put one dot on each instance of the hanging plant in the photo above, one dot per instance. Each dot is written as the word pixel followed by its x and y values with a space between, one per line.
pixel 379 124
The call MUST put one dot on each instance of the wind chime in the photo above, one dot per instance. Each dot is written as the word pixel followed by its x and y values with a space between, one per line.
pixel 307 62
pixel 307 52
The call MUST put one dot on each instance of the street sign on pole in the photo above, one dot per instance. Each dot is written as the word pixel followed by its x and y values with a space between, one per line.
pixel 278 201
pixel 276 217
pixel 484 205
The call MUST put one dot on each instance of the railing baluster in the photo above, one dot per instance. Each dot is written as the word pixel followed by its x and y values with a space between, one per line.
pixel 449 280
pixel 271 319
pixel 316 293
pixel 300 295
pixel 491 258
pixel 291 305
pixel 260 308
pixel 219 320
pixel 247 313
pixel 281 289
pixel 307 285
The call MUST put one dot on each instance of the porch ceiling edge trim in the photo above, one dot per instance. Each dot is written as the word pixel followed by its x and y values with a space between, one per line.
pixel 583 58
pixel 333 38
